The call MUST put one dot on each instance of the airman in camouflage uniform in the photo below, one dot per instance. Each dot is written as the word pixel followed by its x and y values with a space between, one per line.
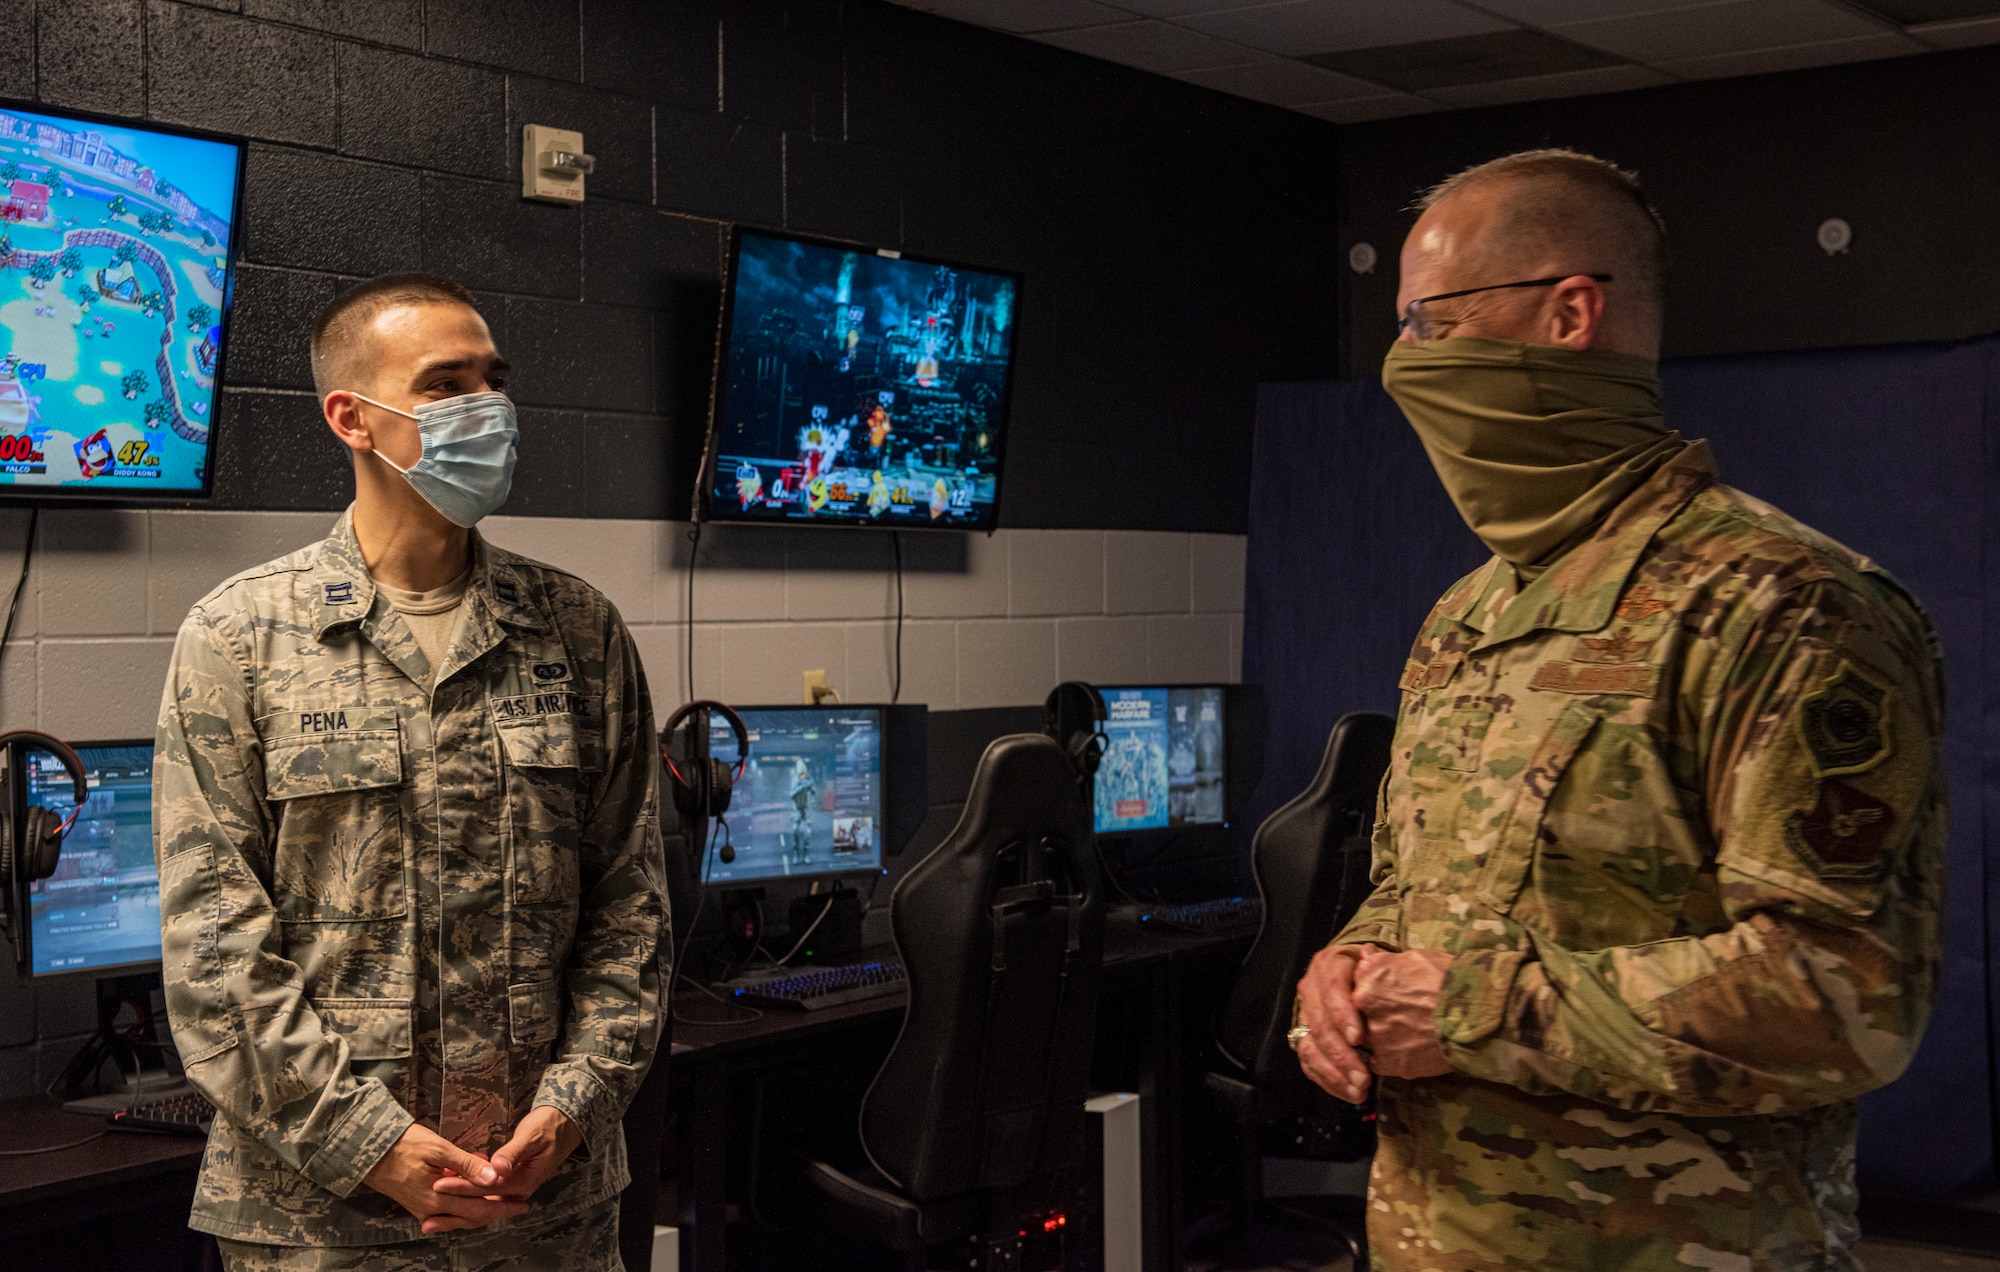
pixel 1658 856
pixel 1675 809
pixel 386 902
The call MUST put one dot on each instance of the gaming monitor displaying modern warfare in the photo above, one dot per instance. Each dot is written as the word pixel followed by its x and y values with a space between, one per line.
pixel 1164 758
pixel 860 388
pixel 114 289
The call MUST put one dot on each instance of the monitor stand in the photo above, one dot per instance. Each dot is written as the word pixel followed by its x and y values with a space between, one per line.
pixel 130 1048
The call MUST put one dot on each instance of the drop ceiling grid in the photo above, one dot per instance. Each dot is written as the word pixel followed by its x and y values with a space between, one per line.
pixel 1380 58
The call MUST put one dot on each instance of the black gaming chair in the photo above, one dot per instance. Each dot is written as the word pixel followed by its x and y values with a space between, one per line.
pixel 975 1122
pixel 1311 859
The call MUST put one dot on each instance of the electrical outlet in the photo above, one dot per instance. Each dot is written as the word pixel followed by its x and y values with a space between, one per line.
pixel 553 164
pixel 816 686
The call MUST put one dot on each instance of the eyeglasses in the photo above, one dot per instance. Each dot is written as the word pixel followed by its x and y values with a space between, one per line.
pixel 1419 327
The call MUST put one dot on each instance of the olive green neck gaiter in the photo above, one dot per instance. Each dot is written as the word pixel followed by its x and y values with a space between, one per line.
pixel 1534 444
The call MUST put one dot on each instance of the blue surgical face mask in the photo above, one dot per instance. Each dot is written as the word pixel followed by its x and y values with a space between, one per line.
pixel 467 466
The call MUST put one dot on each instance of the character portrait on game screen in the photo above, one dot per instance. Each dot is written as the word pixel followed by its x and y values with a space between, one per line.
pixel 93 455
pixel 803 790
pixel 749 483
pixel 940 499
pixel 878 494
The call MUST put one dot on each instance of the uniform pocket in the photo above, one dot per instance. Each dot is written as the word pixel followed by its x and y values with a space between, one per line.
pixel 534 1012
pixel 1513 849
pixel 334 776
pixel 545 756
pixel 375 1028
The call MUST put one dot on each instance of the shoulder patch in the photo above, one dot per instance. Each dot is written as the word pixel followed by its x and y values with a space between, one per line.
pixel 1842 724
pixel 1841 838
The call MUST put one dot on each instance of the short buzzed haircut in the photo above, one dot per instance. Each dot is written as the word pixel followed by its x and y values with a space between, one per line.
pixel 1583 203
pixel 339 332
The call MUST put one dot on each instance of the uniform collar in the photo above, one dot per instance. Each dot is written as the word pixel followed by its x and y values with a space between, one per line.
pixel 344 591
pixel 502 589
pixel 1579 592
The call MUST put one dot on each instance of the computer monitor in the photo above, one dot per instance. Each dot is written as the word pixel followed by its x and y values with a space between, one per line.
pixel 100 911
pixel 810 803
pixel 119 245
pixel 859 387
pixel 1164 759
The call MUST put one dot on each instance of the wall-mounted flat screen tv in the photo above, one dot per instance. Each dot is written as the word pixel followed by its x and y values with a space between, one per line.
pixel 116 258
pixel 859 387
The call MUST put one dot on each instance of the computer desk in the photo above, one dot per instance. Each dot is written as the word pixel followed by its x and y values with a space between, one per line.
pixel 1152 965
pixel 99 1186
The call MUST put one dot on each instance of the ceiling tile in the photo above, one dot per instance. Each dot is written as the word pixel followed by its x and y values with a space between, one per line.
pixel 1154 46
pixel 1283 83
pixel 1720 28
pixel 1298 27
pixel 1546 13
pixel 1022 16
pixel 1465 59
pixel 1604 79
pixel 1959 35
pixel 1181 8
pixel 1760 61
pixel 1911 12
pixel 1362 109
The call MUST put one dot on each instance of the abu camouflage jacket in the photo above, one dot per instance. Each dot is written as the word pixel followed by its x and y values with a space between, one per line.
pixel 383 902
pixel 1677 810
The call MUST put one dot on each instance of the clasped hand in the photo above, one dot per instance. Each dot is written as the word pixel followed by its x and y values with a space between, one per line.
pixel 449 1188
pixel 1370 1011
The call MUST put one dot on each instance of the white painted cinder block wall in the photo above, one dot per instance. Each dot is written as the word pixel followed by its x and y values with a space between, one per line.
pixel 989 620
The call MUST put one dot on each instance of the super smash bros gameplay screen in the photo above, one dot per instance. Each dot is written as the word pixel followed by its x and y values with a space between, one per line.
pixel 861 388
pixel 114 273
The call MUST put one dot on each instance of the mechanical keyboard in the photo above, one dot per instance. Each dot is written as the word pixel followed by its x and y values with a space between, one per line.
pixel 1219 915
pixel 186 1114
pixel 824 987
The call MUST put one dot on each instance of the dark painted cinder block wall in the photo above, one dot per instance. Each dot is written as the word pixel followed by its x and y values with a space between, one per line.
pixel 1175 241
pixel 1744 171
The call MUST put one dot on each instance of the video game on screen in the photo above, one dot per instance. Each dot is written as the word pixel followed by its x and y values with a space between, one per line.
pixel 113 277
pixel 861 388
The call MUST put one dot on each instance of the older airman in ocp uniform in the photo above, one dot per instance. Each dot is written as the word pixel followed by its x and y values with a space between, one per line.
pixel 410 860
pixel 1659 854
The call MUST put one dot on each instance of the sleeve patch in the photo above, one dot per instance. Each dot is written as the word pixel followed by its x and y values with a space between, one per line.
pixel 1842 837
pixel 1842 724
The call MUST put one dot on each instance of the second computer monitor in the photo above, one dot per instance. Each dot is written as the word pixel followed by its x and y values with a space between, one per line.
pixel 1164 758
pixel 810 802
pixel 101 909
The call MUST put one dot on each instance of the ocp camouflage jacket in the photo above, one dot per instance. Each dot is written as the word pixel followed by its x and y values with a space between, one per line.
pixel 383 902
pixel 1676 809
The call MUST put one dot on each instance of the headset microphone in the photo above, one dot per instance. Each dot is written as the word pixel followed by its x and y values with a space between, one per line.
pixel 29 852
pixel 703 784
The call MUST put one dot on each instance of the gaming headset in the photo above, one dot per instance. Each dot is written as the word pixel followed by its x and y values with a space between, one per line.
pixel 703 790
pixel 1073 714
pixel 29 852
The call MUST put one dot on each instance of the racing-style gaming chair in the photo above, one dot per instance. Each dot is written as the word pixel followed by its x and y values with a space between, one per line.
pixel 975 1122
pixel 1311 859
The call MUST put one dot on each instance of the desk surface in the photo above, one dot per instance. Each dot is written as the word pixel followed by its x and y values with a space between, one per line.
pixel 1127 949
pixel 117 1157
